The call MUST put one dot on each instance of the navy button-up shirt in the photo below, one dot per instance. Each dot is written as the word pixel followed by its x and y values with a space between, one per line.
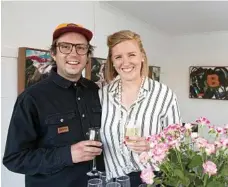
pixel 47 119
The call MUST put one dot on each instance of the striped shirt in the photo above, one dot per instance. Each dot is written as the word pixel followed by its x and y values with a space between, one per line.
pixel 157 107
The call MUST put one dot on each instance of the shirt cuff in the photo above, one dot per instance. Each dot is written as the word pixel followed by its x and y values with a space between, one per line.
pixel 65 155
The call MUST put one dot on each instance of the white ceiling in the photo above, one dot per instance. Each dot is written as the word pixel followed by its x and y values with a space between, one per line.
pixel 179 17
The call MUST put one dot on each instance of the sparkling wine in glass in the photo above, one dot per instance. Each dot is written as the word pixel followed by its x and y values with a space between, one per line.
pixel 94 134
pixel 132 131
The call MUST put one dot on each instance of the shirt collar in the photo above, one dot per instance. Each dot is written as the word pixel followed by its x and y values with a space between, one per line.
pixel 64 83
pixel 114 84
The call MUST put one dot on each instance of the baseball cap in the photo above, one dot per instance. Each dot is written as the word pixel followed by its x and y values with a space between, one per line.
pixel 72 27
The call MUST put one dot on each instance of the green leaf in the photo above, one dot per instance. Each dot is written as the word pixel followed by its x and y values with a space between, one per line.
pixel 191 176
pixel 186 181
pixel 215 184
pixel 224 171
pixel 179 173
pixel 157 181
pixel 196 161
pixel 198 182
pixel 173 156
pixel 171 181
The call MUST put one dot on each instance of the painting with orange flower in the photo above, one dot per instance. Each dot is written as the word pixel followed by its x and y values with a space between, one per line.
pixel 209 82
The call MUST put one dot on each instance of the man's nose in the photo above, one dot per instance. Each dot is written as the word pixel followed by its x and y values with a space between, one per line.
pixel 74 52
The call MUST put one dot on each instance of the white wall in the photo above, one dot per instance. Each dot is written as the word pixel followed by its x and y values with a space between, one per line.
pixel 30 24
pixel 189 50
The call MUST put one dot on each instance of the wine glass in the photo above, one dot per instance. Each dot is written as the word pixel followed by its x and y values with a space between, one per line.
pixel 94 134
pixel 94 183
pixel 124 181
pixel 132 131
pixel 105 177
pixel 113 184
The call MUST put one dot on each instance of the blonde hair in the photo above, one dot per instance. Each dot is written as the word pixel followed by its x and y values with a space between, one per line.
pixel 116 38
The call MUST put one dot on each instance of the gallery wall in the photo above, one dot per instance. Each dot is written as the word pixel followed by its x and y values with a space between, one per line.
pixel 205 49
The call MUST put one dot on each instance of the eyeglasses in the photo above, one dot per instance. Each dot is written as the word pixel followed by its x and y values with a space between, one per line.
pixel 66 48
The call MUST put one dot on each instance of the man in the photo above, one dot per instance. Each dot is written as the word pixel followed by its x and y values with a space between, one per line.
pixel 47 138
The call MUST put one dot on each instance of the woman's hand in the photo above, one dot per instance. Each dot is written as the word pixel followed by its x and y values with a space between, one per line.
pixel 137 144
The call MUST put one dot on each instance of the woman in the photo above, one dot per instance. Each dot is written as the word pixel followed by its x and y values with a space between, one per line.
pixel 133 100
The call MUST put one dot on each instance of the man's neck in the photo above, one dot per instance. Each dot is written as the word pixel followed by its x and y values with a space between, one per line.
pixel 73 78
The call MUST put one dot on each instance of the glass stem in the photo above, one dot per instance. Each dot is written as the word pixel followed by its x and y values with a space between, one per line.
pixel 94 165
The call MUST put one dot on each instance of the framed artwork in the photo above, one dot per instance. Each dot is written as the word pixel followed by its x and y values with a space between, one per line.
pixel 33 66
pixel 95 71
pixel 154 73
pixel 208 82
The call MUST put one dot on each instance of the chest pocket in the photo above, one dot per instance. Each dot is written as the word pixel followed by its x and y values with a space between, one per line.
pixel 96 115
pixel 63 129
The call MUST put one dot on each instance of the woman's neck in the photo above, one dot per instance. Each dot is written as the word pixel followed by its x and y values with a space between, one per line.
pixel 130 92
pixel 131 85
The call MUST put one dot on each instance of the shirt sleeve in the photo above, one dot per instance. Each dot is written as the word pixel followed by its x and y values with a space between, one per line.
pixel 22 153
pixel 173 113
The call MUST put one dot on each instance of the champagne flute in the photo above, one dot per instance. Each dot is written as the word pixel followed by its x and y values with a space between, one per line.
pixel 132 131
pixel 105 177
pixel 124 181
pixel 94 134
pixel 113 184
pixel 95 183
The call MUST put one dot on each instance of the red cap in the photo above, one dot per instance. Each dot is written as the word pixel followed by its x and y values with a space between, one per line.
pixel 72 27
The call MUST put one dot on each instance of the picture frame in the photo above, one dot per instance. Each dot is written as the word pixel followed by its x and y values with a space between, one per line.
pixel 208 82
pixel 154 73
pixel 95 70
pixel 33 66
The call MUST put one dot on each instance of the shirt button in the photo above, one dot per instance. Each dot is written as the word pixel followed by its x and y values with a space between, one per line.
pixel 79 98
pixel 75 84
pixel 83 115
pixel 61 120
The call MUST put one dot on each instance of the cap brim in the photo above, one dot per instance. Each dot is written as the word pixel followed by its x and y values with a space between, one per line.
pixel 85 32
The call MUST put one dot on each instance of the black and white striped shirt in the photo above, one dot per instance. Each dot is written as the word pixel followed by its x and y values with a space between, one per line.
pixel 157 108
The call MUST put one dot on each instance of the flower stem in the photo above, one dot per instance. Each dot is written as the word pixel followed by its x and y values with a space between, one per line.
pixel 179 159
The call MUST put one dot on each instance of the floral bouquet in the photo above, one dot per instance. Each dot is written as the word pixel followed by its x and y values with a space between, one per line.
pixel 183 158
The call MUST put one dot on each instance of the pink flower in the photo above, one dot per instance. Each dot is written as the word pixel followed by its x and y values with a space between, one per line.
pixel 224 143
pixel 159 152
pixel 218 144
pixel 194 135
pixel 201 142
pixel 174 144
pixel 212 129
pixel 154 140
pixel 226 129
pixel 210 149
pixel 210 168
pixel 144 157
pixel 203 121
pixel 147 176
pixel 188 126
pixel 219 130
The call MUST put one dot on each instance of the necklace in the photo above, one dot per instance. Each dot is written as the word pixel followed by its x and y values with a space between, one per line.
pixel 123 148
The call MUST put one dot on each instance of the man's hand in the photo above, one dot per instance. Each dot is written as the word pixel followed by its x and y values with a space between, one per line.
pixel 85 150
